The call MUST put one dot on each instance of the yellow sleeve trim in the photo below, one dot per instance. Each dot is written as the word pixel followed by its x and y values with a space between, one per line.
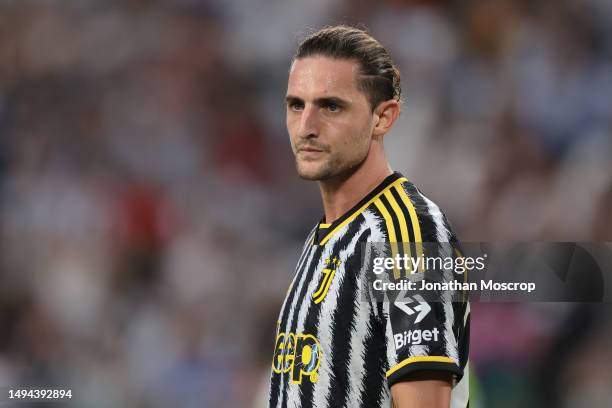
pixel 420 359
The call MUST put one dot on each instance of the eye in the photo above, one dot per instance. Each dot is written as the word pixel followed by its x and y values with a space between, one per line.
pixel 295 106
pixel 332 107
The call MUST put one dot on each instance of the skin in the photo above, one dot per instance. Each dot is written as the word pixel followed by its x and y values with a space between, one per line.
pixel 337 139
pixel 423 389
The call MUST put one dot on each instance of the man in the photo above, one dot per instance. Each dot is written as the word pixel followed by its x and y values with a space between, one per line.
pixel 334 348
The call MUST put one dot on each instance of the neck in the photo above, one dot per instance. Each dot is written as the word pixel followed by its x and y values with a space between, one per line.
pixel 342 193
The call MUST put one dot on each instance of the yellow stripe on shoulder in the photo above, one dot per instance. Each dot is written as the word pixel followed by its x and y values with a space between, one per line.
pixel 391 233
pixel 361 209
pixel 404 236
pixel 388 220
pixel 414 220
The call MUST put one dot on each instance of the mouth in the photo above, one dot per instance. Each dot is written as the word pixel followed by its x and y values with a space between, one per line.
pixel 309 152
pixel 309 149
pixel 306 147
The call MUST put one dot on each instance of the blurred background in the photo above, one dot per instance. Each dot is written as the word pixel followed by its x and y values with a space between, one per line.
pixel 151 216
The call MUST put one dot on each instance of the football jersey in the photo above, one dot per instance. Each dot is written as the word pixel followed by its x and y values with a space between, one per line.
pixel 336 344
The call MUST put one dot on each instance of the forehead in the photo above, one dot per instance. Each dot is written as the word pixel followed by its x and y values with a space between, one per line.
pixel 318 76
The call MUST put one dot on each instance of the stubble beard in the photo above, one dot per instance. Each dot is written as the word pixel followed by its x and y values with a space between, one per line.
pixel 333 168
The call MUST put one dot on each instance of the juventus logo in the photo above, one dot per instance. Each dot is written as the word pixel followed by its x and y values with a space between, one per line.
pixel 328 275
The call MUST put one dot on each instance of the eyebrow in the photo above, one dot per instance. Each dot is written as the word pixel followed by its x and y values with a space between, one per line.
pixel 323 101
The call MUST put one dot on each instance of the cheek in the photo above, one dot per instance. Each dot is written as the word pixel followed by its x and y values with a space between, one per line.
pixel 291 130
pixel 360 134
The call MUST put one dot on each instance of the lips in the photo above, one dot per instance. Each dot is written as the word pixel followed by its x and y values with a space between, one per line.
pixel 309 153
pixel 310 150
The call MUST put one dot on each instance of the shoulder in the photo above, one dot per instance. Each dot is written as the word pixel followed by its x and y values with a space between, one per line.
pixel 434 224
pixel 404 214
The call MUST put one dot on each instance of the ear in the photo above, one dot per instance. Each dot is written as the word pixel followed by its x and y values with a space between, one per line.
pixel 385 115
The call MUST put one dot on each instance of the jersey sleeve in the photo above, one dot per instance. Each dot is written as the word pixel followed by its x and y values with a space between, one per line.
pixel 425 335
pixel 427 332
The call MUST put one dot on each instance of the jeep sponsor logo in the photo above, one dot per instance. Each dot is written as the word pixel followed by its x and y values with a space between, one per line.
pixel 298 354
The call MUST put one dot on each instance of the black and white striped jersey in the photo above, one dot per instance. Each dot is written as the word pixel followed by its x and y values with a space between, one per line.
pixel 338 347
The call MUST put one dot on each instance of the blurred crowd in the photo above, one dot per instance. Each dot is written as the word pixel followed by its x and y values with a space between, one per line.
pixel 151 217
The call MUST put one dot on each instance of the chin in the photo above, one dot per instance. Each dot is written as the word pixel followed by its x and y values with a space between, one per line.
pixel 312 173
pixel 323 174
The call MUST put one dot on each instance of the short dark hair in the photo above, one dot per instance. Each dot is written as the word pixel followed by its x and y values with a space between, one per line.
pixel 379 77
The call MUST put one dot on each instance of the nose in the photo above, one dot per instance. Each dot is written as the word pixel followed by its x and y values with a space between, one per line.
pixel 309 122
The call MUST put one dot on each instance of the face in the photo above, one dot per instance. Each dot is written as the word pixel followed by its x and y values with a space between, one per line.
pixel 329 119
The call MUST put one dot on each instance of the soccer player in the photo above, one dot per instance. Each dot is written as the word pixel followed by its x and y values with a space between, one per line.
pixel 333 347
